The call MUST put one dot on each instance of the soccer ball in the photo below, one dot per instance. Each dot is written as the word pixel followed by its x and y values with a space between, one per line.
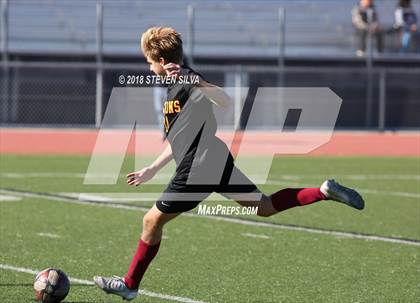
pixel 51 286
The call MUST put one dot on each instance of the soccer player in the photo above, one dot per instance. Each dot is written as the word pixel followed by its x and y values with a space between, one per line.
pixel 203 162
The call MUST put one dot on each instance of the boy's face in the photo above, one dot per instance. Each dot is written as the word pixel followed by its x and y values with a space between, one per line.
pixel 157 67
pixel 366 3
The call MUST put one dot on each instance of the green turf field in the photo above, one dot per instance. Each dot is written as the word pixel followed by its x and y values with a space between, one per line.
pixel 209 260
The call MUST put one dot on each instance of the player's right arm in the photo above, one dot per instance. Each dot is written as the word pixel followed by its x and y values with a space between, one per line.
pixel 147 173
pixel 215 94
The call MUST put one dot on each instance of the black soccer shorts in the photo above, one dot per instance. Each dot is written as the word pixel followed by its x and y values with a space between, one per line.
pixel 182 197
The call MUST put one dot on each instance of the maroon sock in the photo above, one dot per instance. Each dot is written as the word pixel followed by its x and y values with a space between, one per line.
pixel 291 197
pixel 141 260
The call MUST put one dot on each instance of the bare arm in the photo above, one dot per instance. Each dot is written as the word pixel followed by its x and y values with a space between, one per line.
pixel 163 158
pixel 215 94
pixel 147 173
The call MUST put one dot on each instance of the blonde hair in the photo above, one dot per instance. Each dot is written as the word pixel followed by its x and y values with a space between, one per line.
pixel 163 42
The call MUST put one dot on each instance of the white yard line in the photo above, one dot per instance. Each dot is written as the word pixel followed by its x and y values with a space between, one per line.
pixel 6 198
pixel 408 177
pixel 48 235
pixel 115 197
pixel 349 235
pixel 390 193
pixel 286 180
pixel 41 175
pixel 321 231
pixel 87 282
pixel 135 197
pixel 256 236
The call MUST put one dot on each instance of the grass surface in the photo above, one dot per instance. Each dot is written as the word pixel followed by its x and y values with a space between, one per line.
pixel 216 261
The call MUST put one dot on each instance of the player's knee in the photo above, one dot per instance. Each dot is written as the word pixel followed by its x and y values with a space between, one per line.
pixel 264 211
pixel 150 222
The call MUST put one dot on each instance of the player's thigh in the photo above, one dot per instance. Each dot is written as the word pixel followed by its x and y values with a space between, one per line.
pixel 249 199
pixel 264 205
pixel 242 190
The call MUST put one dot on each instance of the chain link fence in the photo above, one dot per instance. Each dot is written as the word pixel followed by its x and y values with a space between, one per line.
pixel 47 94
pixel 89 38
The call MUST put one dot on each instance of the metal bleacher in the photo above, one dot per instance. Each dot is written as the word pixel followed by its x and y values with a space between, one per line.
pixel 222 28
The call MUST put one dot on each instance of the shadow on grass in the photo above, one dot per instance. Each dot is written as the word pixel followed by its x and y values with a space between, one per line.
pixel 31 285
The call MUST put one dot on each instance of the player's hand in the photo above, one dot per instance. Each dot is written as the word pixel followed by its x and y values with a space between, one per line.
pixel 138 177
pixel 174 70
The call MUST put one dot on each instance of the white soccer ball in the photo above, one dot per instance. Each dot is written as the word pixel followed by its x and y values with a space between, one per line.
pixel 51 286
